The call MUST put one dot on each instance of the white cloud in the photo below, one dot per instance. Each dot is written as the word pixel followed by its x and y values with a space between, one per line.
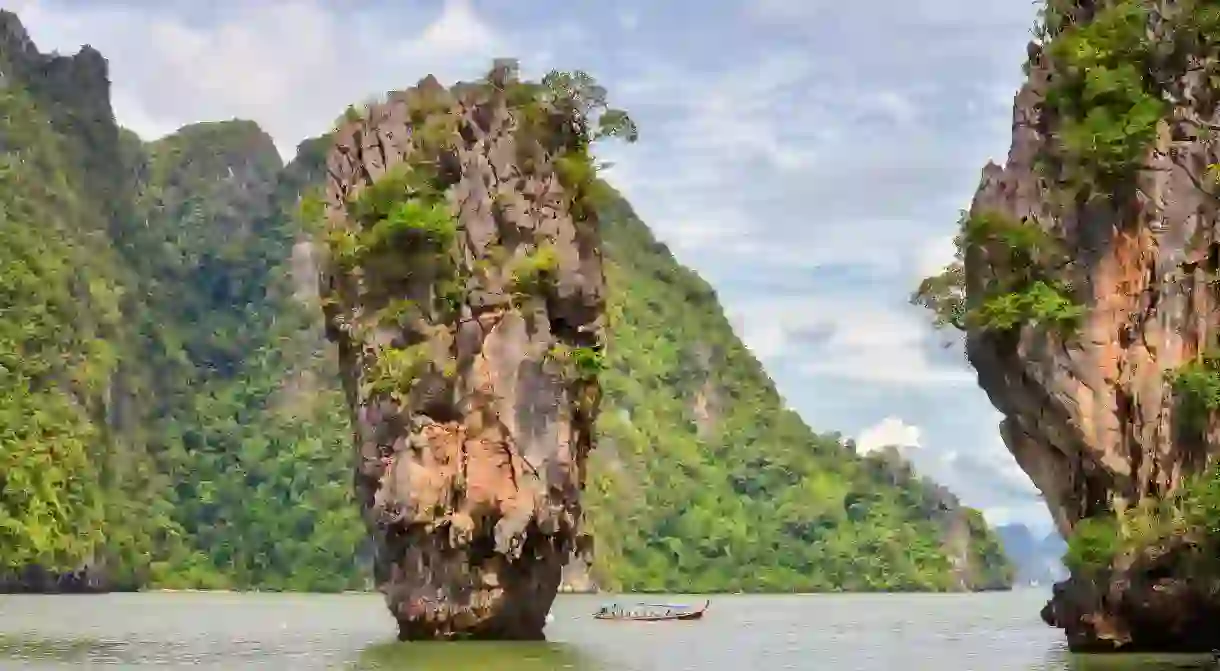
pixel 991 462
pixel 980 471
pixel 21 7
pixel 891 431
pixel 895 105
pixel 766 342
pixel 792 166
pixel 716 136
pixel 835 337
pixel 737 116
pixel 291 65
pixel 133 116
pixel 458 31
pixel 932 257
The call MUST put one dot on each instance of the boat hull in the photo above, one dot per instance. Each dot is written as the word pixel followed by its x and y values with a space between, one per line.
pixel 620 616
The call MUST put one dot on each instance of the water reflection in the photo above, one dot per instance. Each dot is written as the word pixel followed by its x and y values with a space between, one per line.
pixel 34 652
pixel 224 632
pixel 1064 661
pixel 474 656
pixel 69 651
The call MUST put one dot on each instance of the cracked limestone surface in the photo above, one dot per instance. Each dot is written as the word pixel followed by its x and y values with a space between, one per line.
pixel 1091 418
pixel 469 470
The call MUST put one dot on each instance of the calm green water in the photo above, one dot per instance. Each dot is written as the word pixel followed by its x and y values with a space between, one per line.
pixel 982 632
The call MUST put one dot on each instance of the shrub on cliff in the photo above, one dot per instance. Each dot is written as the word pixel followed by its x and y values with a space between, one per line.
pixel 1019 288
pixel 1105 97
pixel 1196 385
pixel 1114 79
pixel 1189 518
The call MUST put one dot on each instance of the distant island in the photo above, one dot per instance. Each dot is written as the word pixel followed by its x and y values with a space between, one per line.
pixel 1038 560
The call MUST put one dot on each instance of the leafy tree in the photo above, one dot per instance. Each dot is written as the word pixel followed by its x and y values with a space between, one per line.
pixel 1017 285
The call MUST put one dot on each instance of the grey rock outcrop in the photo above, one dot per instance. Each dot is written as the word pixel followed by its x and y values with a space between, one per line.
pixel 469 474
pixel 1091 417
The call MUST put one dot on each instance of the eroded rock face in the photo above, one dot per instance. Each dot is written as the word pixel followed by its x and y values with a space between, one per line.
pixel 1153 600
pixel 469 474
pixel 1091 417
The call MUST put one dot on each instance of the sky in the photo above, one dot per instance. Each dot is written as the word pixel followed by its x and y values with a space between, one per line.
pixel 809 158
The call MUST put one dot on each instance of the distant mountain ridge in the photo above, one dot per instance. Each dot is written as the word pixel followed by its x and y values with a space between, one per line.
pixel 1038 561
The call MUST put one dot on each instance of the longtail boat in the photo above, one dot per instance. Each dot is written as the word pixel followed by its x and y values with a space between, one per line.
pixel 650 612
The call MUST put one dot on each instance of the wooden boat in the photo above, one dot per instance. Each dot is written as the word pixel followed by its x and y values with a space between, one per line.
pixel 650 612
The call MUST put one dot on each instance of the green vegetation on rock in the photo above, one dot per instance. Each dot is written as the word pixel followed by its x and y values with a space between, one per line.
pixel 1118 78
pixel 1020 287
pixel 1197 387
pixel 162 424
pixel 76 489
pixel 246 420
pixel 55 356
pixel 531 270
pixel 581 104
pixel 1188 518
pixel 704 481
pixel 1105 97
pixel 1114 82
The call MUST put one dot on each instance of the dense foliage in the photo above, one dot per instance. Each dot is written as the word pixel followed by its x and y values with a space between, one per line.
pixel 1196 385
pixel 159 418
pixel 1104 97
pixel 170 414
pixel 1189 517
pixel 248 423
pixel 1117 72
pixel 703 480
pixel 1018 287
pixel 57 311
pixel 76 487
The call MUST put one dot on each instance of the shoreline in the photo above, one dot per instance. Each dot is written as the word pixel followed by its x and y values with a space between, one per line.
pixel 1023 588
